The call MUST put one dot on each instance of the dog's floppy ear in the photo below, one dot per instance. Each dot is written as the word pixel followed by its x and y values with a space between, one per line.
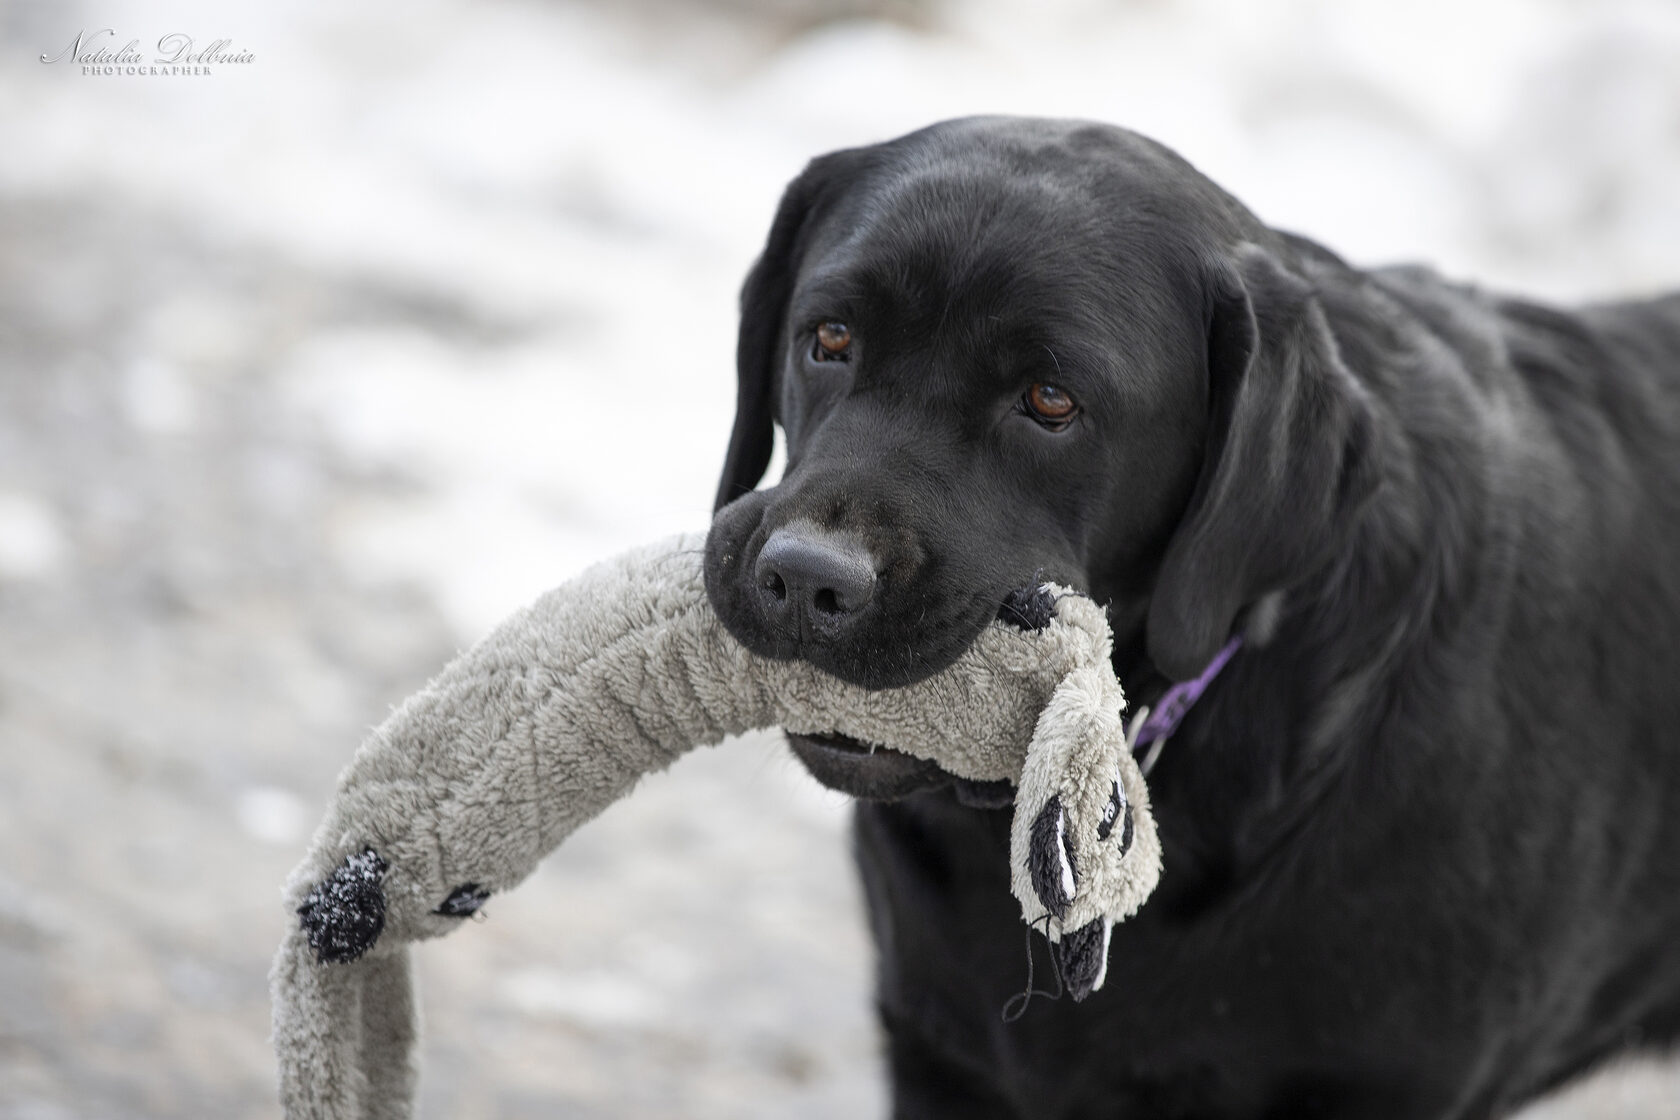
pixel 1289 461
pixel 764 299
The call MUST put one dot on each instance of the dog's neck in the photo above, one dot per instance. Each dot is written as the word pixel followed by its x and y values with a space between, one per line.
pixel 1304 702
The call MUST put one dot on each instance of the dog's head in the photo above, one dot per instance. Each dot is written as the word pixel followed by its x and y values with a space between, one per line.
pixel 1009 350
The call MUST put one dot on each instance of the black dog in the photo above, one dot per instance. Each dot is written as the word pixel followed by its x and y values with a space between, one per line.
pixel 1423 834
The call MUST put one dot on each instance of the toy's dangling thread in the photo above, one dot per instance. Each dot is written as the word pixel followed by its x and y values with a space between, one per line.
pixel 1017 1003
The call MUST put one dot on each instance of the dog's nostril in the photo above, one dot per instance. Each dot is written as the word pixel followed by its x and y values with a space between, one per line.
pixel 816 573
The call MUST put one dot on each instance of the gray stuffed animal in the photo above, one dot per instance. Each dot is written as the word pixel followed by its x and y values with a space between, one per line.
pixel 565 705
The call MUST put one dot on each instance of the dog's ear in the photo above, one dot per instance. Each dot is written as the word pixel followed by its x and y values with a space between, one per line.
pixel 764 299
pixel 1288 463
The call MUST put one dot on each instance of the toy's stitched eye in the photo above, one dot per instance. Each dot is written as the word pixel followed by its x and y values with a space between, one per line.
pixel 1050 405
pixel 834 342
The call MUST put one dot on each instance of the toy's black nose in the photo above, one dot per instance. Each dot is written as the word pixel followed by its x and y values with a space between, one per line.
pixel 810 576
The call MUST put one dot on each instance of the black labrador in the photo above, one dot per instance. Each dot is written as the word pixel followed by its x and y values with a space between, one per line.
pixel 1423 833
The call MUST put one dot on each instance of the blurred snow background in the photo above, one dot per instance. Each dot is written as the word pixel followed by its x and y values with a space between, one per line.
pixel 313 368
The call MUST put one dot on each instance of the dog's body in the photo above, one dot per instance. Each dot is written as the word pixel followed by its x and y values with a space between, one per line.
pixel 1422 836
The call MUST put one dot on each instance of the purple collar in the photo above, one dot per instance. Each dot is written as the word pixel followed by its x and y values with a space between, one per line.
pixel 1163 719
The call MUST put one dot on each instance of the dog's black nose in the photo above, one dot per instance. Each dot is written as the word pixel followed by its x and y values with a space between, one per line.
pixel 806 572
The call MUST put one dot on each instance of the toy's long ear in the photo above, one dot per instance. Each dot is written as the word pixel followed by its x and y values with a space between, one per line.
pixel 1289 462
pixel 764 299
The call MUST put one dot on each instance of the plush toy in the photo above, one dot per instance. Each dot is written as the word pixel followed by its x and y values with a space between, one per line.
pixel 564 706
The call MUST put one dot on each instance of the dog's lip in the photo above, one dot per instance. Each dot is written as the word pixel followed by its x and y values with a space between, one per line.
pixel 877 773
pixel 862 770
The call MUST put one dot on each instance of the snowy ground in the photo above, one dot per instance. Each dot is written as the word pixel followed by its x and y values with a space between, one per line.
pixel 312 368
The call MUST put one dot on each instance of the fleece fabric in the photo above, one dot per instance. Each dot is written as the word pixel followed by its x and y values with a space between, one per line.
pixel 561 709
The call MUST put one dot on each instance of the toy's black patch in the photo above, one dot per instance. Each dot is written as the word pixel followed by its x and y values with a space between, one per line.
pixel 1029 608
pixel 1112 812
pixel 345 913
pixel 1082 958
pixel 463 901
pixel 1047 854
pixel 1126 833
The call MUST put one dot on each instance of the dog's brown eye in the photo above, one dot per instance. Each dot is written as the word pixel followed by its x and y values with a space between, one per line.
pixel 1051 404
pixel 833 340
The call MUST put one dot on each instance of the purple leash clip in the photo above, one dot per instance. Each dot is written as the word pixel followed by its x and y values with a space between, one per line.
pixel 1152 728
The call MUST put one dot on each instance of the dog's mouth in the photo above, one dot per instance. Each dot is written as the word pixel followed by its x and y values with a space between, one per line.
pixel 862 770
pixel 878 773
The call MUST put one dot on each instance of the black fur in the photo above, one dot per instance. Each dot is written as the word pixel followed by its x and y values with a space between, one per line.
pixel 1421 837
